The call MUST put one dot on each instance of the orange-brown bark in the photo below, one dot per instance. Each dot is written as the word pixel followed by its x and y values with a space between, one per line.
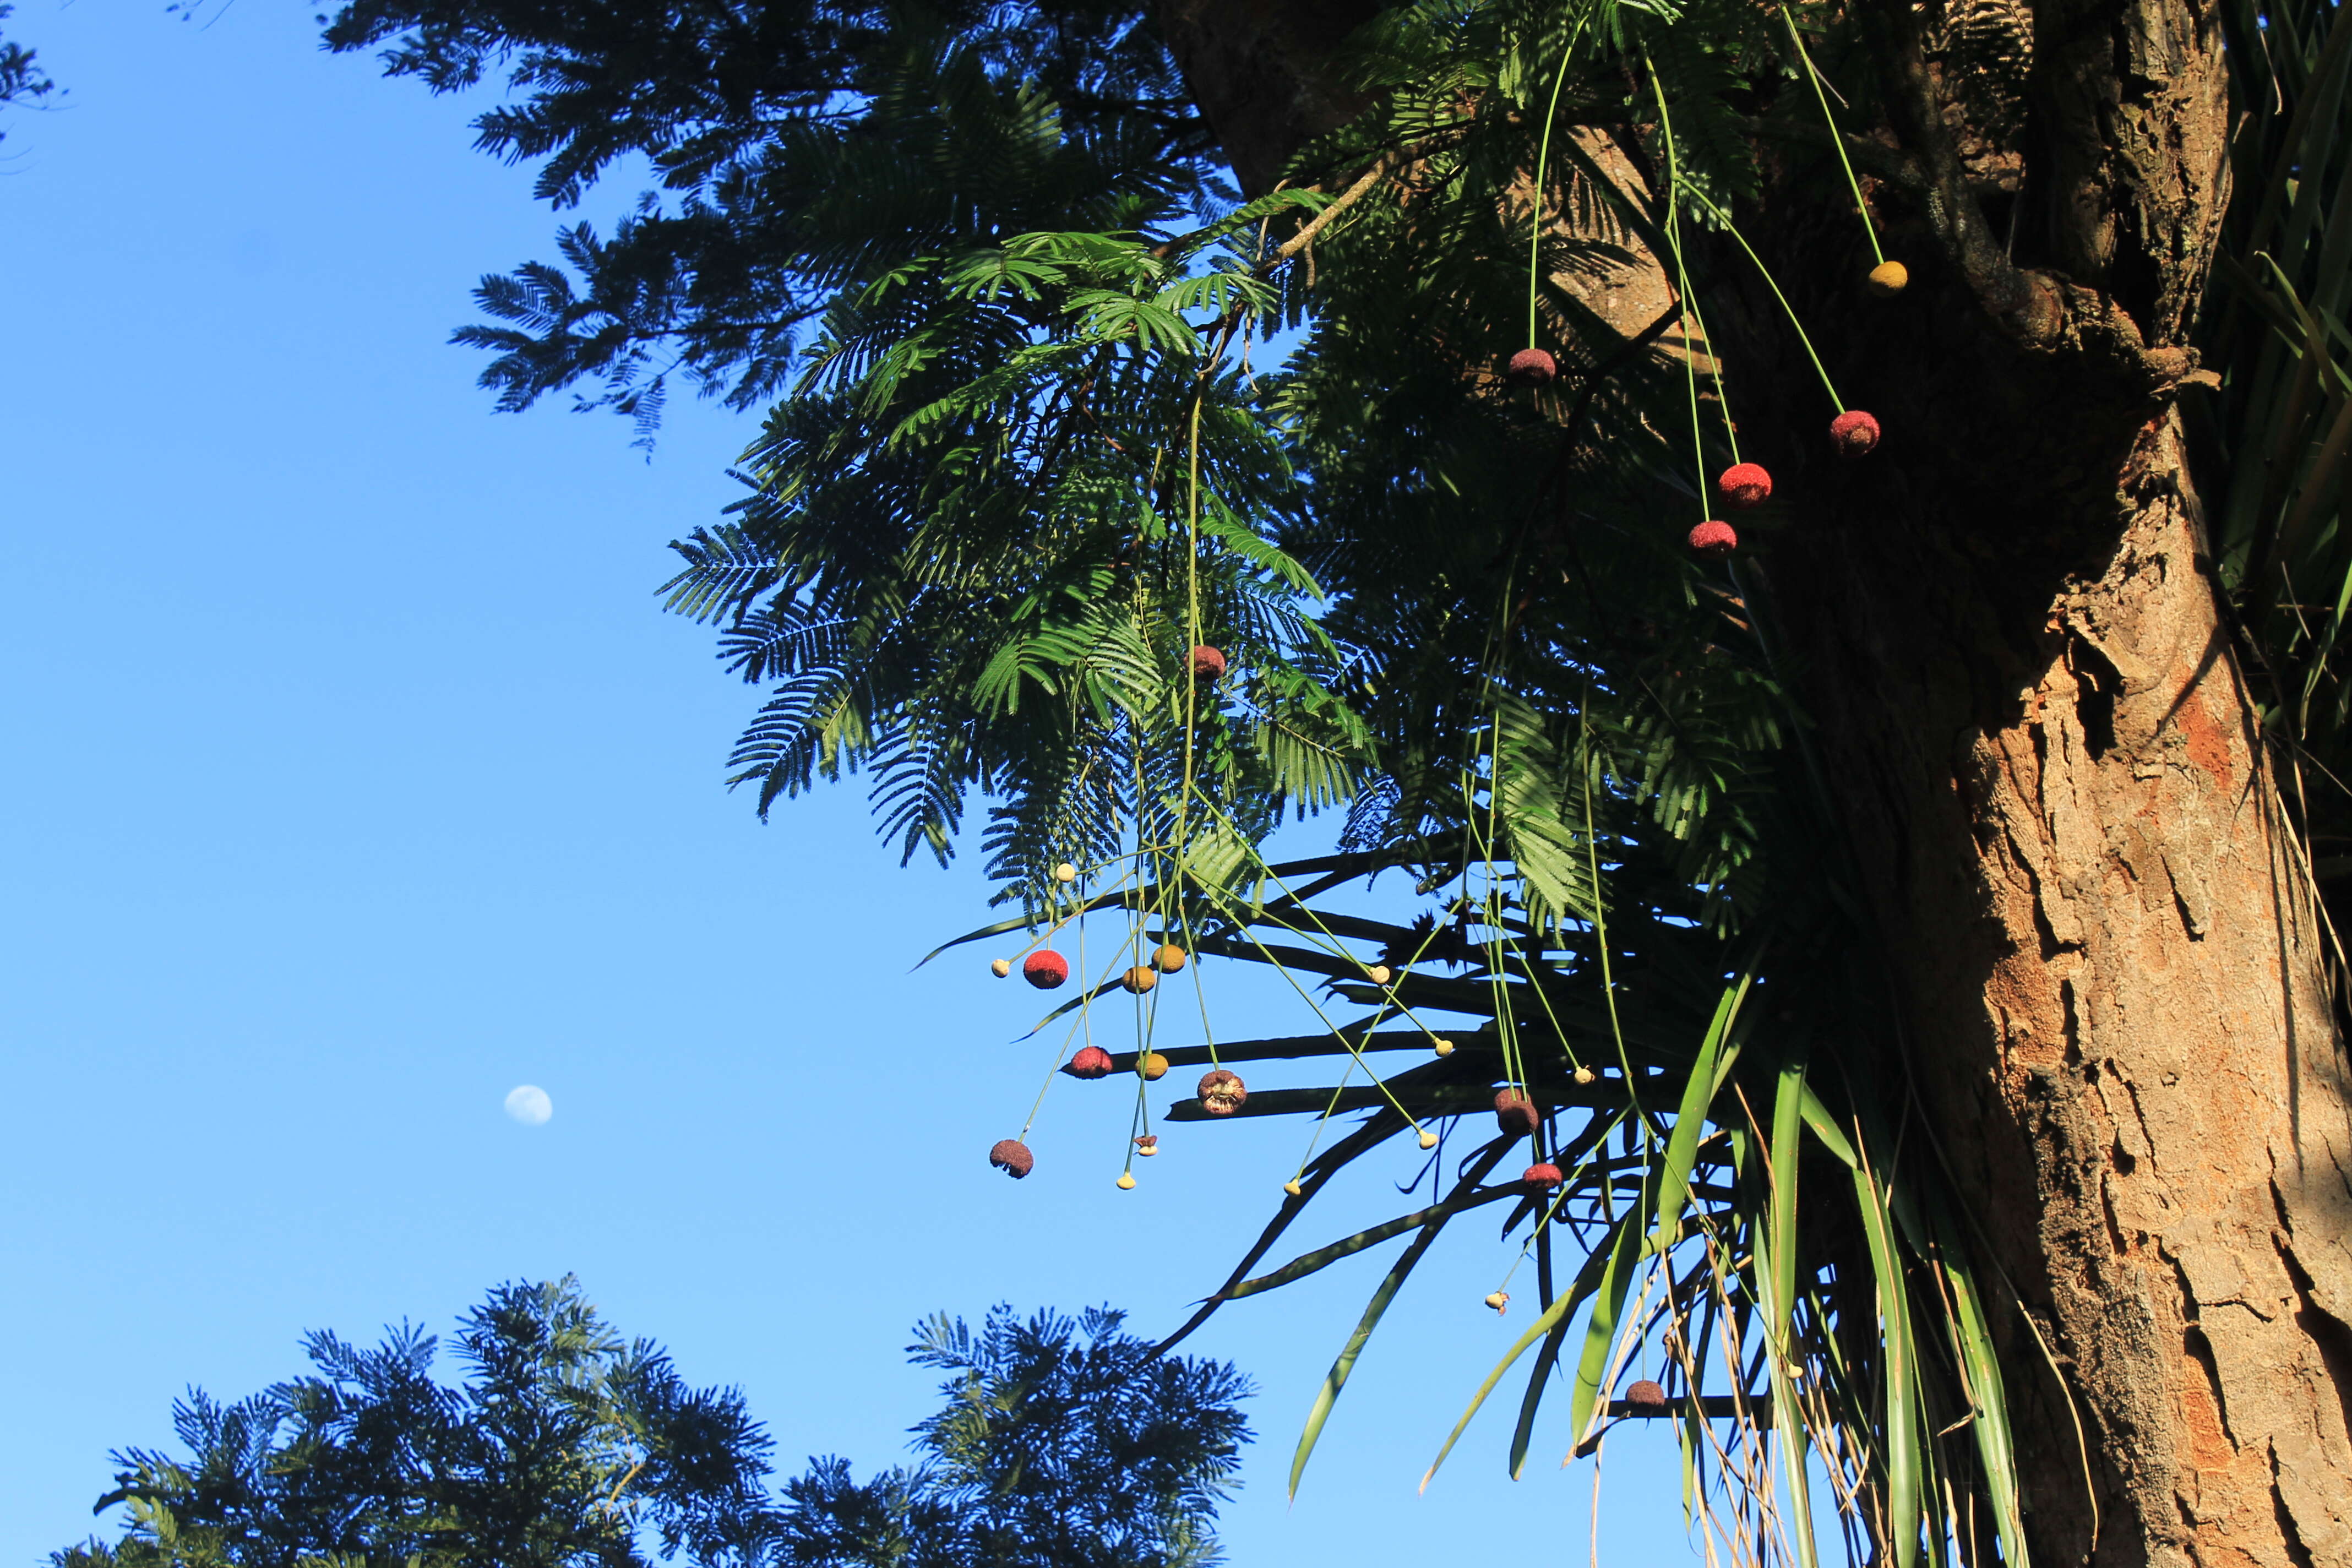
pixel 2119 1023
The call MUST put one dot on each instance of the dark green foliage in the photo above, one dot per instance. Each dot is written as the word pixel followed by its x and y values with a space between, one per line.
pixel 565 1446
pixel 789 137
pixel 1065 1445
pixel 22 80
pixel 968 561
pixel 965 564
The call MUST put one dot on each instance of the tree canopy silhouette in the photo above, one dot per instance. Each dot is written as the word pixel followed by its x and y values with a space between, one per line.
pixel 1063 1444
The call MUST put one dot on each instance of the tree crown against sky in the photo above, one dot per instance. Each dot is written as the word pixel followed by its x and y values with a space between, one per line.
pixel 1062 1445
pixel 21 80
pixel 1751 857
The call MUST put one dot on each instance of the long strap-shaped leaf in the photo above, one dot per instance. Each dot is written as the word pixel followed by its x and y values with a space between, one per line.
pixel 1603 1266
pixel 1587 1281
pixel 1776 1261
pixel 1673 1194
pixel 1980 1376
pixel 1324 1256
pixel 1546 1360
pixel 1382 1126
pixel 1904 1437
pixel 1626 1253
pixel 1337 1378
pixel 1690 1117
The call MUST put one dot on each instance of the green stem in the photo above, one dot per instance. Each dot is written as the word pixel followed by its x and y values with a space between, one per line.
pixel 1543 163
pixel 1837 137
pixel 1772 283
pixel 1715 368
pixel 1682 276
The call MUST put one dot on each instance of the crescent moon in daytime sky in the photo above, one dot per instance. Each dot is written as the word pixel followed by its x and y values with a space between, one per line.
pixel 527 1103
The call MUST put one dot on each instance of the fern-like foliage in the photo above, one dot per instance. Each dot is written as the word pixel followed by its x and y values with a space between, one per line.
pixel 21 80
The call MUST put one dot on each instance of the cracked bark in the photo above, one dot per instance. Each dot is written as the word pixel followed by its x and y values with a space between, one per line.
pixel 2117 1015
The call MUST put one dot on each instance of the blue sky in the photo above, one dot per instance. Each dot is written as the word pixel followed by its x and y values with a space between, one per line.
pixel 353 778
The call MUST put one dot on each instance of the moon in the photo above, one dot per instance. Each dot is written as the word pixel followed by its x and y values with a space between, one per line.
pixel 527 1103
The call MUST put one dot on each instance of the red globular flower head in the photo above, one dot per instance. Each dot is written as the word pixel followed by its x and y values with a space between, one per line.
pixel 1645 1395
pixel 1546 1175
pixel 1208 663
pixel 1743 484
pixel 1533 367
pixel 1714 537
pixel 1011 1156
pixel 1853 433
pixel 1044 969
pixel 1092 1061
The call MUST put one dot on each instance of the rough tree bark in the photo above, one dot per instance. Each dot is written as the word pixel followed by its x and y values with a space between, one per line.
pixel 2104 938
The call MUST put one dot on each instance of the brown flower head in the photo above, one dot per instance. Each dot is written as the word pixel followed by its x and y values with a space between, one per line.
pixel 1222 1092
pixel 1515 1113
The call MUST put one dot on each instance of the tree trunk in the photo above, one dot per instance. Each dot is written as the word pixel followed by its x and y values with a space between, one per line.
pixel 2114 1001
pixel 2104 932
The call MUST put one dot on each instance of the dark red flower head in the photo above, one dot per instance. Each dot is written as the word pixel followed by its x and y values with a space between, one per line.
pixel 1853 433
pixel 1715 537
pixel 1092 1061
pixel 1044 969
pixel 1645 1395
pixel 1011 1156
pixel 1743 484
pixel 1208 663
pixel 1222 1092
pixel 1533 367
pixel 1515 1113
pixel 1546 1175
